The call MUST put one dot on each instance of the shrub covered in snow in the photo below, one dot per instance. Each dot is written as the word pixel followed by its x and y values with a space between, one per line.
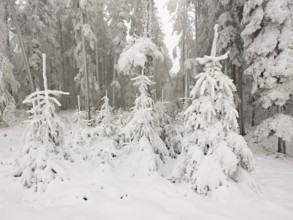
pixel 97 142
pixel 212 150
pixel 169 129
pixel 40 158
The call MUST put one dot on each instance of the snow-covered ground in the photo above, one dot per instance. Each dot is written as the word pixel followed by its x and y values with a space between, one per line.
pixel 102 193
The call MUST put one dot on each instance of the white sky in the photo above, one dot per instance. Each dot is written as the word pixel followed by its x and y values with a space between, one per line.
pixel 171 40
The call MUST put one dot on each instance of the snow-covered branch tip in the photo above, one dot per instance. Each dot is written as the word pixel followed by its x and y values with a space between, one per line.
pixel 216 35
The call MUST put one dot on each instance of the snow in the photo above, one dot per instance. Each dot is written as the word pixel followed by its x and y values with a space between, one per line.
pixel 135 54
pixel 103 193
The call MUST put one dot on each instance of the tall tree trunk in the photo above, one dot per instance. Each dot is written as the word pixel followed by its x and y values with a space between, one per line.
pixel 233 74
pixel 85 68
pixel 97 60
pixel 64 78
pixel 253 111
pixel 241 105
pixel 114 79
pixel 196 13
pixel 19 37
pixel 184 51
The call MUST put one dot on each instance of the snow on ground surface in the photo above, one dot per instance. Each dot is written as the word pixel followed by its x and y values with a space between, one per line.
pixel 105 194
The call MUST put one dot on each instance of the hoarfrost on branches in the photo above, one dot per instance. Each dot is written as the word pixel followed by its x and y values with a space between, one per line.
pixel 135 54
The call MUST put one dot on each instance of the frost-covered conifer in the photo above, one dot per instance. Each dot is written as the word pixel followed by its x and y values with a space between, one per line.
pixel 268 44
pixel 40 159
pixel 140 132
pixel 103 148
pixel 212 151
pixel 104 120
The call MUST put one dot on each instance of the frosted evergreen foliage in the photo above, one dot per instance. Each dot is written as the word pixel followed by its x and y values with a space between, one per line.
pixel 40 158
pixel 140 131
pixel 142 122
pixel 268 44
pixel 136 54
pixel 141 139
pixel 105 125
pixel 212 149
pixel 103 148
pixel 280 125
pixel 169 130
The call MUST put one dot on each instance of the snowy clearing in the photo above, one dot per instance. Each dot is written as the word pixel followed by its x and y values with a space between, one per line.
pixel 101 193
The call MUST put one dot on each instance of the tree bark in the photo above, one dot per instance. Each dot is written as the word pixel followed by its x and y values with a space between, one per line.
pixel 186 92
pixel 241 105
pixel 19 36
pixel 281 142
pixel 253 112
pixel 85 68
pixel 114 79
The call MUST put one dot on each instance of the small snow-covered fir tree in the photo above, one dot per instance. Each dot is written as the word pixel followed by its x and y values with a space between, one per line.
pixel 104 146
pixel 40 158
pixel 143 140
pixel 104 119
pixel 140 130
pixel 268 44
pixel 213 152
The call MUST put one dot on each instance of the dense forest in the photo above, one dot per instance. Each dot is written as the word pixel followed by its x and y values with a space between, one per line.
pixel 94 82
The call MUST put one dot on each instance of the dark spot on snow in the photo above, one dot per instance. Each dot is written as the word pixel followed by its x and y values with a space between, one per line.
pixel 121 197
pixel 85 198
pixel 5 135
pixel 102 187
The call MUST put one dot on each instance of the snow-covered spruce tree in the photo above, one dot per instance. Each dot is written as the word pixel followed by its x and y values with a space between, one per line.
pixel 8 84
pixel 40 157
pixel 103 148
pixel 268 44
pixel 143 141
pixel 140 132
pixel 213 152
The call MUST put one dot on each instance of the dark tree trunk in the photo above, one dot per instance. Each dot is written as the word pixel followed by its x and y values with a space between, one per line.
pixel 241 105
pixel 281 142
